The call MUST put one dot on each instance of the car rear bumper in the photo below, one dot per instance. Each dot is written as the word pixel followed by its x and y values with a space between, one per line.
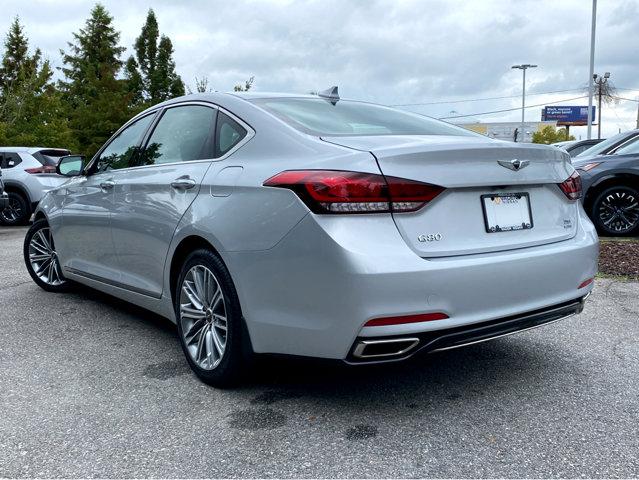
pixel 313 292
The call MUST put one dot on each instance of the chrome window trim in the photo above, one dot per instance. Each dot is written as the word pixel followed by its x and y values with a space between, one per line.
pixel 250 133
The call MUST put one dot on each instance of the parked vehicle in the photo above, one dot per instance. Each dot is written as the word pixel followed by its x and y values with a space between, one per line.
pixel 320 227
pixel 4 199
pixel 28 174
pixel 609 145
pixel 575 147
pixel 611 187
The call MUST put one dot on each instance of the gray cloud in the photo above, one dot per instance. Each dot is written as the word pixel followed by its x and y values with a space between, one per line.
pixel 386 51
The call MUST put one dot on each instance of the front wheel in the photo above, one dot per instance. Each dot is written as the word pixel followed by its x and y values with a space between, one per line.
pixel 17 212
pixel 41 258
pixel 209 320
pixel 615 211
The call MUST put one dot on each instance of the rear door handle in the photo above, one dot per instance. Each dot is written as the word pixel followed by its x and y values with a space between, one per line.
pixel 107 185
pixel 183 183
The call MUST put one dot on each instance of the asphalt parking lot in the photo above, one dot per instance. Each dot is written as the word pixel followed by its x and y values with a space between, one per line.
pixel 93 387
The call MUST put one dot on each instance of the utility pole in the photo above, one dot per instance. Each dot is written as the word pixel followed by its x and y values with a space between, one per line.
pixel 600 82
pixel 523 67
pixel 592 66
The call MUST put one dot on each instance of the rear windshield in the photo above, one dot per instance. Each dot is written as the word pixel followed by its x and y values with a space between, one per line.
pixel 50 157
pixel 320 117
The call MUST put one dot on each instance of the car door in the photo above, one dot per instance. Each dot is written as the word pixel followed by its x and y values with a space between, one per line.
pixel 84 240
pixel 152 197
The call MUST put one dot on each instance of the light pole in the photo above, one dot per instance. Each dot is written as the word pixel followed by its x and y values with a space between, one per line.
pixel 592 66
pixel 523 67
pixel 600 81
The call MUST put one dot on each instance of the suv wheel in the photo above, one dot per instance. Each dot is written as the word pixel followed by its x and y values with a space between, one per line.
pixel 209 320
pixel 18 211
pixel 42 260
pixel 615 211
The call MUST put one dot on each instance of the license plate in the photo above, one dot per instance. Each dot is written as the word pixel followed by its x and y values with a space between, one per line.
pixel 506 212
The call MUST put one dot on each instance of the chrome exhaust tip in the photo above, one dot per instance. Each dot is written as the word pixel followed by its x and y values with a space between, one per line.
pixel 393 347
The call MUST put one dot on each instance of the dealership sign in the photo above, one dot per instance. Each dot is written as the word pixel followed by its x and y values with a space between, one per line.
pixel 564 115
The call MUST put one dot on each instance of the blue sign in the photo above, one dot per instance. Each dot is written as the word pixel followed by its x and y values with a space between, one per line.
pixel 567 115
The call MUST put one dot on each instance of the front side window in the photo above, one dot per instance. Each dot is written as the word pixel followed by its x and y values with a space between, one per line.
pixel 123 149
pixel 183 134
pixel 631 147
pixel 317 116
pixel 228 134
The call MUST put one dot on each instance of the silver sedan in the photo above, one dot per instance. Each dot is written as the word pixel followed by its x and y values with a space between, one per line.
pixel 316 226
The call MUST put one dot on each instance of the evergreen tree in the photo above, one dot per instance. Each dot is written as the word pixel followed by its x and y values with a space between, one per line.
pixel 31 110
pixel 151 73
pixel 17 64
pixel 97 100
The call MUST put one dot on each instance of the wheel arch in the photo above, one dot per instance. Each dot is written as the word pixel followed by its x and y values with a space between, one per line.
pixel 10 186
pixel 184 248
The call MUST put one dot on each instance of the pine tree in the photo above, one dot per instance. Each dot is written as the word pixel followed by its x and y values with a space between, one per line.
pixel 151 73
pixel 98 101
pixel 17 64
pixel 31 109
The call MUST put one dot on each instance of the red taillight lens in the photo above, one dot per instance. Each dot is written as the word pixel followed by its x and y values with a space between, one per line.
pixel 334 191
pixel 423 317
pixel 43 169
pixel 585 283
pixel 572 186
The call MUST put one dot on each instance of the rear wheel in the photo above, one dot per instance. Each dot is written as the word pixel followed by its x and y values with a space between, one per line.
pixel 210 321
pixel 17 212
pixel 615 211
pixel 41 258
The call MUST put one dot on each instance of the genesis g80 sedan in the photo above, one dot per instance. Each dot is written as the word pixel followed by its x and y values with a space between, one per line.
pixel 309 225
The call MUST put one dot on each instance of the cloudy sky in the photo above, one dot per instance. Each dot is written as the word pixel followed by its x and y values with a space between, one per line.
pixel 387 51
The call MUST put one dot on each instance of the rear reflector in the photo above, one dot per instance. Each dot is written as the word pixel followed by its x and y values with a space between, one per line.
pixel 335 191
pixel 43 169
pixel 423 317
pixel 585 283
pixel 572 186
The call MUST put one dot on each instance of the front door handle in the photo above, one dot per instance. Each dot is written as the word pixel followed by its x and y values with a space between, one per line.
pixel 183 183
pixel 107 185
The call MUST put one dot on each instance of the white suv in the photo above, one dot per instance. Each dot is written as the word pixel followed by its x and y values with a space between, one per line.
pixel 28 174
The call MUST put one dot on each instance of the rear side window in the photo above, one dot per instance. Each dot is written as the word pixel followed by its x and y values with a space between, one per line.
pixel 123 149
pixel 50 157
pixel 320 117
pixel 9 160
pixel 183 134
pixel 228 134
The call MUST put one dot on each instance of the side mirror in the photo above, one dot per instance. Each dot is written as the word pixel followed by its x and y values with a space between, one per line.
pixel 71 165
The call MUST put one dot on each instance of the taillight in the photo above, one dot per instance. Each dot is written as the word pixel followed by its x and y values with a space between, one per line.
pixel 334 191
pixel 43 169
pixel 572 186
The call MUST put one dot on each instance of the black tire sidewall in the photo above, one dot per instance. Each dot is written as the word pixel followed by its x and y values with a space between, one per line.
pixel 25 208
pixel 232 366
pixel 595 211
pixel 38 225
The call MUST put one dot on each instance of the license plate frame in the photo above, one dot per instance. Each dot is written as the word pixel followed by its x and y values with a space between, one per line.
pixel 495 227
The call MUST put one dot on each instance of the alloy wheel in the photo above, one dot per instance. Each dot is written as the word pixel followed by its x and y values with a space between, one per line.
pixel 619 211
pixel 13 211
pixel 43 258
pixel 203 317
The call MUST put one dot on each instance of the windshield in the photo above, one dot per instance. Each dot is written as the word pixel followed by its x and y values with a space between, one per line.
pixel 603 146
pixel 320 117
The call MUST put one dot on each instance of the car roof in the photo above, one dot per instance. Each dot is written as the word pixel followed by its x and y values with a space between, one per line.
pixel 30 149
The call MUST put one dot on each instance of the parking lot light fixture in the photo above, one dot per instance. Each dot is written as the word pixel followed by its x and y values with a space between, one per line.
pixel 523 67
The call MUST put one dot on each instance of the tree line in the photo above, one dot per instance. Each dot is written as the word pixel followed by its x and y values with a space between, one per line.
pixel 98 92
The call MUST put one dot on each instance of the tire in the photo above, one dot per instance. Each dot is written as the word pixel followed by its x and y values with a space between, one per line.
pixel 615 211
pixel 18 212
pixel 41 259
pixel 219 356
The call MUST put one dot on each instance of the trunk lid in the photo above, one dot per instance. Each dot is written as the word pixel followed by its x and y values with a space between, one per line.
pixel 454 223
